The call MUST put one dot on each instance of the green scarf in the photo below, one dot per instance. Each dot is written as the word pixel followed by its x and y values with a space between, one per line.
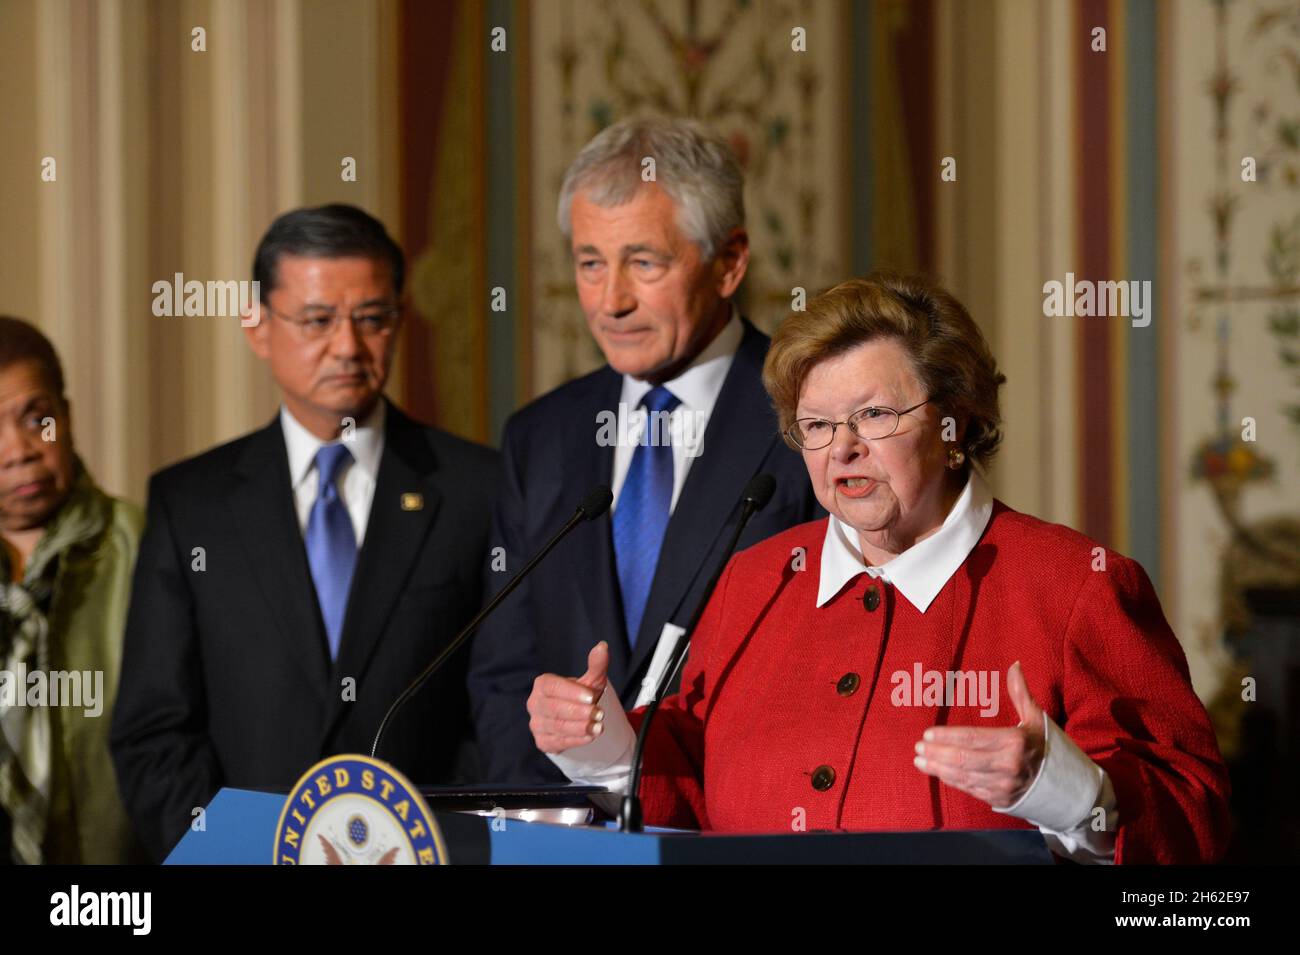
pixel 26 744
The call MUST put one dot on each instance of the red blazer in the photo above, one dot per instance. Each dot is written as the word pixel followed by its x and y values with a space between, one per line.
pixel 765 702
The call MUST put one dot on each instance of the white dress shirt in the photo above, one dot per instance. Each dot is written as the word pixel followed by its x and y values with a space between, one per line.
pixel 356 483
pixel 697 388
pixel 1069 786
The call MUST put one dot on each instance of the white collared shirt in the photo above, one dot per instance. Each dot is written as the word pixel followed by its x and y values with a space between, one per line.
pixel 697 388
pixel 1069 789
pixel 356 484
pixel 922 570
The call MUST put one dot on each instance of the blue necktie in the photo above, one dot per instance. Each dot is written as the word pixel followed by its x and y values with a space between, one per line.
pixel 331 543
pixel 642 513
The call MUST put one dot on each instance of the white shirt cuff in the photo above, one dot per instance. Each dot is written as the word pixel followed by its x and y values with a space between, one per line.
pixel 1064 799
pixel 606 760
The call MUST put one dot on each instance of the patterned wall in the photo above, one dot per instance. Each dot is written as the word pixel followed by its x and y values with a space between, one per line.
pixel 1233 262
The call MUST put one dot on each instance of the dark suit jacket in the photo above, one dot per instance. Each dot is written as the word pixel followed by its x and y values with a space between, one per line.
pixel 572 600
pixel 226 676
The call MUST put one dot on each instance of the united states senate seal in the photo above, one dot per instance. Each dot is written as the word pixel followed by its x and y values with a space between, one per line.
pixel 354 810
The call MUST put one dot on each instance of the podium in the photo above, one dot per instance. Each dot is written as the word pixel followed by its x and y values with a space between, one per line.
pixel 240 830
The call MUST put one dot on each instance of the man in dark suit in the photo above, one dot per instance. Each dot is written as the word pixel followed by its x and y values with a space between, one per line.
pixel 292 582
pixel 676 423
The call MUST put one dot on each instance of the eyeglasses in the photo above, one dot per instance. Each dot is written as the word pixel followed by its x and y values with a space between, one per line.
pixel 371 321
pixel 870 424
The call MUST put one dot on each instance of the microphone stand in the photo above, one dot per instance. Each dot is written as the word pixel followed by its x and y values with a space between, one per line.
pixel 593 505
pixel 757 493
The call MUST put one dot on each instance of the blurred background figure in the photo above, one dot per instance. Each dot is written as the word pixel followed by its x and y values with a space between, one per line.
pixel 66 561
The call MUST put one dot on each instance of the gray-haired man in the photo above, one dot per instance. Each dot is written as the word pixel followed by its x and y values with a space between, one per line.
pixel 676 423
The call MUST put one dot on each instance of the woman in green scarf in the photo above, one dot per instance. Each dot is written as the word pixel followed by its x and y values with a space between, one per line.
pixel 66 554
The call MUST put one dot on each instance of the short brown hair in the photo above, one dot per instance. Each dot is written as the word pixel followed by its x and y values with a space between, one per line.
pixel 949 354
pixel 22 341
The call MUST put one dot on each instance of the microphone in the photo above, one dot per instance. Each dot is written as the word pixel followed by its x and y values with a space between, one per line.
pixel 595 503
pixel 758 492
pixel 753 499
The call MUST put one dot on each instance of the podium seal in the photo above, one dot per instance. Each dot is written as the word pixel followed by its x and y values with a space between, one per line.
pixel 354 810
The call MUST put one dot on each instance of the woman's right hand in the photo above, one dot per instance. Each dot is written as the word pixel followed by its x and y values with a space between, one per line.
pixel 565 712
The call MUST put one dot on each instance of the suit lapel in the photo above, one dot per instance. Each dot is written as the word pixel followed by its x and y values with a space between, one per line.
pixel 739 435
pixel 265 520
pixel 395 533
pixel 592 547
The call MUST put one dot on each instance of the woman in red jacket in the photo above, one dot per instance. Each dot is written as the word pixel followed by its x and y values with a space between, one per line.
pixel 926 657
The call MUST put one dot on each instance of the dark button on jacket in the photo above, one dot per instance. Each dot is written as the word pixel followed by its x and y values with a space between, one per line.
pixel 823 778
pixel 871 599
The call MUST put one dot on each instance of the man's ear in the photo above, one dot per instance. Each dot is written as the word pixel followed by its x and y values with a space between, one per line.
pixel 393 340
pixel 255 320
pixel 731 262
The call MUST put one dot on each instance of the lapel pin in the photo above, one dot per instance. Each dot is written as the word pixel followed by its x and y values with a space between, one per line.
pixel 412 502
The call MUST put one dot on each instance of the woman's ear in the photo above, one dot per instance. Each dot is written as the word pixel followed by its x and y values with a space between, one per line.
pixel 952 428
